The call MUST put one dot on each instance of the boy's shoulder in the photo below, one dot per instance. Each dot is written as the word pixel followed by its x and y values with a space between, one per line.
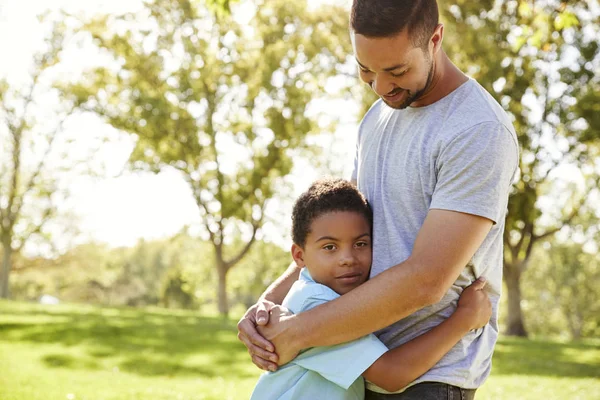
pixel 305 294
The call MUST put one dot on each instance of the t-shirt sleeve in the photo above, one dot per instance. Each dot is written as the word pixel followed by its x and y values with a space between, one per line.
pixel 344 363
pixel 475 172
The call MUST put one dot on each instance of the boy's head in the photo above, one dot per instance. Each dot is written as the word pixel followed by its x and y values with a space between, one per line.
pixel 331 230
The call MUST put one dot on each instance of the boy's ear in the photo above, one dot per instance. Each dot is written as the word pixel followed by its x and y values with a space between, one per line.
pixel 298 255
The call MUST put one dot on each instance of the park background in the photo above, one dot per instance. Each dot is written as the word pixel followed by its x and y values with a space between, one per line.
pixel 150 152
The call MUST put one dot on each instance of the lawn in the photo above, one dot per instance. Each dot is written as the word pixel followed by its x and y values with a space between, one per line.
pixel 70 352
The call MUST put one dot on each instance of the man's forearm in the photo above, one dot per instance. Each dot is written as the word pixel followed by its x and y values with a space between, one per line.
pixel 379 302
pixel 444 245
pixel 277 290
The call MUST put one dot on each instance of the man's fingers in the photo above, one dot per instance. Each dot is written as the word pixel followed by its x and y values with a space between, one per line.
pixel 248 334
pixel 263 364
pixel 257 339
pixel 261 353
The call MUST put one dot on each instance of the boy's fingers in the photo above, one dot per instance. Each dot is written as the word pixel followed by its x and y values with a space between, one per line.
pixel 479 284
pixel 262 313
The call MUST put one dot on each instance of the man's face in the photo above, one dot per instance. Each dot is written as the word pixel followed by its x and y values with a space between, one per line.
pixel 337 251
pixel 396 70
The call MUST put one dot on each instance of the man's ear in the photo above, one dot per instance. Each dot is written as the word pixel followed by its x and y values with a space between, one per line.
pixel 437 38
pixel 298 255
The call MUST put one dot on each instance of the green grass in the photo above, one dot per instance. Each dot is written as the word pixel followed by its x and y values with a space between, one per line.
pixel 70 352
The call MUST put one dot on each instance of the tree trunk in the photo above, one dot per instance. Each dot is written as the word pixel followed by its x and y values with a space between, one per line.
pixel 222 290
pixel 512 277
pixel 5 272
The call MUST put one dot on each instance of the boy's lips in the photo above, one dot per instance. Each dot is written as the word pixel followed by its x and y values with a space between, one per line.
pixel 350 277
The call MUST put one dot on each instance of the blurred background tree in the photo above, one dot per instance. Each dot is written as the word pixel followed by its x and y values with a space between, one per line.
pixel 541 61
pixel 194 89
pixel 37 161
pixel 561 295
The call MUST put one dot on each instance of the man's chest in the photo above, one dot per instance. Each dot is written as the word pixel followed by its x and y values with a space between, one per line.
pixel 398 165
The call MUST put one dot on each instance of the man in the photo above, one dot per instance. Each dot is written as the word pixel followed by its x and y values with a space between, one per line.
pixel 435 158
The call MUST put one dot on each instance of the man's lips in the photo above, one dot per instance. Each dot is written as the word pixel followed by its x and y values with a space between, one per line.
pixel 394 97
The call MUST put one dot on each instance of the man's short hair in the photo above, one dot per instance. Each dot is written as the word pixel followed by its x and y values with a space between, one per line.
pixel 386 18
pixel 324 196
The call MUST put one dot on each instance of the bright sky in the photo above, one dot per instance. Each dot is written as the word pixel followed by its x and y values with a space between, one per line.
pixel 120 209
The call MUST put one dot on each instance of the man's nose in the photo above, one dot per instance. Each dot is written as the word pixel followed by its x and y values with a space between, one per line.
pixel 382 86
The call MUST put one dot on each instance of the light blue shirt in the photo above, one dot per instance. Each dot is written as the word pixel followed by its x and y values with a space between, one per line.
pixel 332 372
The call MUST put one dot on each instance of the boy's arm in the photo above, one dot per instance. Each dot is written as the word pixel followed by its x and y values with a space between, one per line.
pixel 398 367
pixel 277 290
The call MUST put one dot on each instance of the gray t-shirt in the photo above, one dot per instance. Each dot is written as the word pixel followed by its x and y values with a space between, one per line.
pixel 461 154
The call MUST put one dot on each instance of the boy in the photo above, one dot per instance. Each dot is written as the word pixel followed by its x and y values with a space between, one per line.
pixel 332 244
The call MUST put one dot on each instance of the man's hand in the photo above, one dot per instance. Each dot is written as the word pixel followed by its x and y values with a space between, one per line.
pixel 277 331
pixel 261 350
pixel 474 305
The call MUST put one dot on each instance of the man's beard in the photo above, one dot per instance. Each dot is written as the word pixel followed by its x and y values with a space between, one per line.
pixel 412 97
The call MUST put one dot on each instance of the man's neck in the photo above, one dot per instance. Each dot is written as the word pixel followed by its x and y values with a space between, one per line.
pixel 446 78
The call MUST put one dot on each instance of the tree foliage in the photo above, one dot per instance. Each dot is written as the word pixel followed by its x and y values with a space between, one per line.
pixel 34 152
pixel 563 282
pixel 541 60
pixel 221 101
pixel 176 272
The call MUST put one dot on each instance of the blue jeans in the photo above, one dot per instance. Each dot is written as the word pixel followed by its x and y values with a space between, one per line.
pixel 426 391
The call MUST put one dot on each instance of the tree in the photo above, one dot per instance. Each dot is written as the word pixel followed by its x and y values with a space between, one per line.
pixel 220 7
pixel 220 101
pixel 545 71
pixel 33 153
pixel 563 282
pixel 265 263
pixel 83 273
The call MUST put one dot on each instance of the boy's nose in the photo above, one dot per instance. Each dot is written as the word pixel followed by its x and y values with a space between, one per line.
pixel 347 259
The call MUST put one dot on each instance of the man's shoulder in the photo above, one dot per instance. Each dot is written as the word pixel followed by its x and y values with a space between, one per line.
pixel 473 106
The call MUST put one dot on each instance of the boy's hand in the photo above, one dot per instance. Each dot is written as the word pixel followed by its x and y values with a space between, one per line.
pixel 474 305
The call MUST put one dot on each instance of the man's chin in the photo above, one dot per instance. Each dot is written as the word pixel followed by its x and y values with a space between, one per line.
pixel 398 105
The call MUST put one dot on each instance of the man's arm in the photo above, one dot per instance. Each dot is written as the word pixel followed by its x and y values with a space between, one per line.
pixel 443 247
pixel 398 367
pixel 261 350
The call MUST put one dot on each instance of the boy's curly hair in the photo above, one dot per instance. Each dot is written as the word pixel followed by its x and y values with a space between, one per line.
pixel 323 196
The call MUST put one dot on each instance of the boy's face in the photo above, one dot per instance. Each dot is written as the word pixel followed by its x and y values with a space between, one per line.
pixel 337 252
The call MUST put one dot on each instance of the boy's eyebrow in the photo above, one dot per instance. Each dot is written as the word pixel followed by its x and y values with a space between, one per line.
pixel 332 238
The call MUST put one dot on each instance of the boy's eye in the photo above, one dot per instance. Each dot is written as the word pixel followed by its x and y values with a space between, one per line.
pixel 329 247
pixel 362 244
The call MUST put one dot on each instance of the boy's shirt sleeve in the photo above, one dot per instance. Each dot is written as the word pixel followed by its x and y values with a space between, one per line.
pixel 344 363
